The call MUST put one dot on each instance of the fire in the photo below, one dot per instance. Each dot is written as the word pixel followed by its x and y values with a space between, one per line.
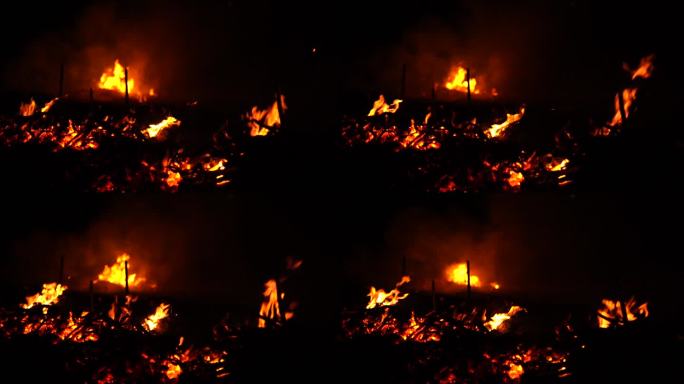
pixel 645 68
pixel 48 296
pixel 458 273
pixel 116 274
pixel 629 94
pixel 613 312
pixel 27 109
pixel 499 319
pixel 49 105
pixel 381 107
pixel 151 323
pixel 114 79
pixel 261 121
pixel 270 309
pixel 498 130
pixel 155 129
pixel 382 299
pixel 173 371
pixel 515 371
pixel 556 165
pixel 458 81
pixel 515 179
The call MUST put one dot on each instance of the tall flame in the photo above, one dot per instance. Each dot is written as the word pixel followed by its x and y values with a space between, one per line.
pixel 498 319
pixel 380 106
pixel 612 312
pixel 151 323
pixel 116 273
pixel 155 129
pixel 458 81
pixel 380 298
pixel 269 307
pixel 114 79
pixel 498 130
pixel 47 296
pixel 27 109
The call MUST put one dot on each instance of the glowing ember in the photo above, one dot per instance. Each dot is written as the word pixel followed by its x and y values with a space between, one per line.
pixel 556 165
pixel 515 371
pixel 27 109
pixel 173 371
pixel 380 298
pixel 381 107
pixel 458 81
pixel 261 121
pixel 114 79
pixel 458 273
pixel 116 274
pixel 151 323
pixel 613 312
pixel 498 130
pixel 49 105
pixel 155 129
pixel 48 296
pixel 515 179
pixel 499 319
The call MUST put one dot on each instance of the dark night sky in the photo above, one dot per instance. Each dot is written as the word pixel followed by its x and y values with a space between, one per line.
pixel 236 51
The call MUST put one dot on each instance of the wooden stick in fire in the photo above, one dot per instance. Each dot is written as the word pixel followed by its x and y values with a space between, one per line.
pixel 91 291
pixel 468 80
pixel 621 106
pixel 126 84
pixel 126 271
pixel 468 273
pixel 434 297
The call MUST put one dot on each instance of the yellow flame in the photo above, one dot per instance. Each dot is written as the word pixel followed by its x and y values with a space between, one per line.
pixel 498 130
pixel 496 321
pixel 155 129
pixel 27 109
pixel 47 296
pixel 49 105
pixel 115 79
pixel 269 307
pixel 557 165
pixel 380 106
pixel 261 121
pixel 458 273
pixel 458 81
pixel 611 312
pixel 151 323
pixel 116 273
pixel 380 298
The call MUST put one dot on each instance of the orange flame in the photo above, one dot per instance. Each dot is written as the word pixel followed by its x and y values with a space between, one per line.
pixel 383 299
pixel 381 107
pixel 628 97
pixel 114 79
pixel 270 309
pixel 155 129
pixel 49 105
pixel 151 323
pixel 499 319
pixel 48 296
pixel 645 68
pixel 611 313
pixel 27 109
pixel 556 164
pixel 498 130
pixel 116 274
pixel 458 81
pixel 261 121
pixel 458 273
